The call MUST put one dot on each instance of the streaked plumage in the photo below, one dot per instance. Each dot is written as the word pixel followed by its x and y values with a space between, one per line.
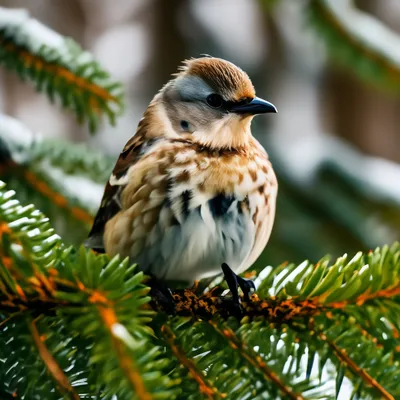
pixel 192 189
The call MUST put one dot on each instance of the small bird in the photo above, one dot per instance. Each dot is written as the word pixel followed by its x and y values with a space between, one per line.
pixel 192 191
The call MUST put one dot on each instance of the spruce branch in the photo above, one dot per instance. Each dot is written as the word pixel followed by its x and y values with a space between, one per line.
pixel 58 67
pixel 73 159
pixel 103 299
pixel 205 387
pixel 51 174
pixel 51 364
pixel 306 290
pixel 301 315
pixel 255 360
pixel 43 187
pixel 120 340
pixel 19 145
pixel 358 41
pixel 370 367
pixel 343 356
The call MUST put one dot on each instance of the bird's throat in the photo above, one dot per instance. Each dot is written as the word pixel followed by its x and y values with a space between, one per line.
pixel 229 133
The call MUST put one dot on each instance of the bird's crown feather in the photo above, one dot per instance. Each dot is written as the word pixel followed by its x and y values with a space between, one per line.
pixel 221 75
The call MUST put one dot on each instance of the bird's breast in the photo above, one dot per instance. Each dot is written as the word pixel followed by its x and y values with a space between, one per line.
pixel 208 206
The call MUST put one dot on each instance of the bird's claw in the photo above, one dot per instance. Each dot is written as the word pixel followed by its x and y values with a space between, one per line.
pixel 231 281
pixel 162 295
pixel 247 286
pixel 234 281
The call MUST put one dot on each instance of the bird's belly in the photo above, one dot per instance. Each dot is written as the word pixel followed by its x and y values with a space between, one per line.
pixel 197 247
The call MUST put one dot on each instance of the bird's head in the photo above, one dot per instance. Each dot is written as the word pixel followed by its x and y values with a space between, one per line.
pixel 214 101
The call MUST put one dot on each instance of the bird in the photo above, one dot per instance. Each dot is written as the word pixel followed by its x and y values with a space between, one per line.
pixel 192 192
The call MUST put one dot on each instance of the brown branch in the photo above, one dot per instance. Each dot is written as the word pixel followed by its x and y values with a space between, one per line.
pixel 9 318
pixel 41 288
pixel 56 198
pixel 384 293
pixel 362 298
pixel 40 294
pixel 51 364
pixel 126 363
pixel 255 360
pixel 45 190
pixel 343 356
pixel 38 63
pixel 205 387
pixel 205 306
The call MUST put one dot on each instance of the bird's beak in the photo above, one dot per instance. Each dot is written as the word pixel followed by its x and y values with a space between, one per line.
pixel 255 106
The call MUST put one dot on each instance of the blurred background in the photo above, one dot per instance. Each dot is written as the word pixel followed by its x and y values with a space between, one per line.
pixel 335 142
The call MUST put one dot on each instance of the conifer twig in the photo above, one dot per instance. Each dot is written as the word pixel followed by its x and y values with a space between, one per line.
pixel 43 187
pixel 205 387
pixel 254 359
pixel 57 66
pixel 126 363
pixel 51 363
pixel 342 355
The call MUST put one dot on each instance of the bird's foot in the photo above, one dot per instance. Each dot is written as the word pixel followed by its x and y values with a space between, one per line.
pixel 247 286
pixel 234 281
pixel 161 295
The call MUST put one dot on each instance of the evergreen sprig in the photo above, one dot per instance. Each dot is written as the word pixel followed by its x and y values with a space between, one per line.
pixel 73 159
pixel 50 174
pixel 76 320
pixel 79 325
pixel 58 67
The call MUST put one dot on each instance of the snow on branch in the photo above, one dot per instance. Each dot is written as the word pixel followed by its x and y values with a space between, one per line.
pixel 359 41
pixel 37 159
pixel 58 67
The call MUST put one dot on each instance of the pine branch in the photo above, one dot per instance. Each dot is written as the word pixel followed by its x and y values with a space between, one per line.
pixel 300 314
pixel 95 300
pixel 20 146
pixel 342 355
pixel 121 340
pixel 307 293
pixel 367 365
pixel 71 218
pixel 348 35
pixel 312 289
pixel 52 366
pixel 73 159
pixel 57 66
pixel 41 185
pixel 206 389
pixel 52 174
pixel 255 360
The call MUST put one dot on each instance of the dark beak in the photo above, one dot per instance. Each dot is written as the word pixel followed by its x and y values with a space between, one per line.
pixel 255 106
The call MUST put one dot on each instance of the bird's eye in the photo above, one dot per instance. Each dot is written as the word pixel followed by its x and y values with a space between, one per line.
pixel 215 100
pixel 184 125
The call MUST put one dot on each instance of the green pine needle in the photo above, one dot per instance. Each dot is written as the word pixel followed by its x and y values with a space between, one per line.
pixel 61 69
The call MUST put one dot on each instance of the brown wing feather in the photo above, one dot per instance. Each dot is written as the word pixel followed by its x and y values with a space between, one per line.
pixel 110 203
